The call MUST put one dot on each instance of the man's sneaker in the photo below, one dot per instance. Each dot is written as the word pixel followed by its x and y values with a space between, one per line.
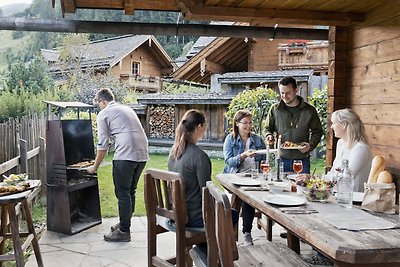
pixel 115 227
pixel 118 236
pixel 248 239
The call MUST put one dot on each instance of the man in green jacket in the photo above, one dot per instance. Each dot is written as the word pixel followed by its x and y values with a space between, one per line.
pixel 294 120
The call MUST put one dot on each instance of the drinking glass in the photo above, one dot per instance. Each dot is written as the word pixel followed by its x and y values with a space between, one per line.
pixel 297 166
pixel 254 170
pixel 265 168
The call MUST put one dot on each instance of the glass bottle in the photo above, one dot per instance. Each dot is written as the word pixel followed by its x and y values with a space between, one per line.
pixel 345 186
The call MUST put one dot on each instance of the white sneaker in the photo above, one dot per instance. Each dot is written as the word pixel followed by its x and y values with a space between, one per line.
pixel 248 239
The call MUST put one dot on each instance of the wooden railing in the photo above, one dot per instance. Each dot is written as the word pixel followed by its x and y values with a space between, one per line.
pixel 142 82
pixel 313 55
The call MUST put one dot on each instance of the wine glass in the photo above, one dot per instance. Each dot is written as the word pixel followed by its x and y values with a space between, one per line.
pixel 297 166
pixel 265 168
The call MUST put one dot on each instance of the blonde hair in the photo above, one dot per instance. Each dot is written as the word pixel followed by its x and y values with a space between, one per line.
pixel 355 127
pixel 184 131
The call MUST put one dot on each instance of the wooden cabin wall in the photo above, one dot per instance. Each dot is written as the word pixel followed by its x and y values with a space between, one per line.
pixel 374 80
pixel 263 55
pixel 149 66
pixel 215 118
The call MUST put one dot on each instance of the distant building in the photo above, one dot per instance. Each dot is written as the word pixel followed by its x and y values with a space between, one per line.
pixel 139 60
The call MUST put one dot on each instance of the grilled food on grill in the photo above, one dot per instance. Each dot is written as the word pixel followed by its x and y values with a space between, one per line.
pixel 291 145
pixel 82 164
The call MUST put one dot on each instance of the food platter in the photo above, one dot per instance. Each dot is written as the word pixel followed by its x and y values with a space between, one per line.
pixel 291 145
pixel 246 182
pixel 284 200
pixel 18 189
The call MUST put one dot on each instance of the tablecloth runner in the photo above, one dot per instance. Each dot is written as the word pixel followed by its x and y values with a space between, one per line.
pixel 353 219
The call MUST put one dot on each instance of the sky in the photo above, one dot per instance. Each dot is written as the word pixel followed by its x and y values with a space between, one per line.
pixel 8 2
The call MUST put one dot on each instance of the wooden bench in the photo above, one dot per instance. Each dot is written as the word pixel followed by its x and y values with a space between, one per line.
pixel 222 249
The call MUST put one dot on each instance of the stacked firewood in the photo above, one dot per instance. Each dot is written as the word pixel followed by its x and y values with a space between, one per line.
pixel 161 121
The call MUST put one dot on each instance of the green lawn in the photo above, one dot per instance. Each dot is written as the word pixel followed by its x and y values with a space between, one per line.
pixel 108 201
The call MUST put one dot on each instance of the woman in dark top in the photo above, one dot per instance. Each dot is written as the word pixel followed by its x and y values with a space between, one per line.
pixel 191 162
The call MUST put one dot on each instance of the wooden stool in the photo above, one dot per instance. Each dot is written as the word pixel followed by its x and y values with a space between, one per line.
pixel 8 207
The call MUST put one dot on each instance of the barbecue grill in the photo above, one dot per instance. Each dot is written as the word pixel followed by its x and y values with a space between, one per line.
pixel 73 202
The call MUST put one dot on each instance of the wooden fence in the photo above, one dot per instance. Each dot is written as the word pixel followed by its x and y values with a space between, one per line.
pixel 22 146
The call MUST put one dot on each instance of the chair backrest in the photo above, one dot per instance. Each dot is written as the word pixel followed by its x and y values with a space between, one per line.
pixel 217 216
pixel 165 196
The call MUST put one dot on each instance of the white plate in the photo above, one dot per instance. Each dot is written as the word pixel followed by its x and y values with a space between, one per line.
pixel 264 151
pixel 292 177
pixel 284 200
pixel 358 196
pixel 246 182
pixel 293 148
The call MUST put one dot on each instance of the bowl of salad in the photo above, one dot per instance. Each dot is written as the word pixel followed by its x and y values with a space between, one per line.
pixel 317 189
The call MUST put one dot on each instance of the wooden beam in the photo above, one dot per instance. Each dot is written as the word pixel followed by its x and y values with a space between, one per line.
pixel 129 7
pixel 197 12
pixel 213 67
pixel 44 25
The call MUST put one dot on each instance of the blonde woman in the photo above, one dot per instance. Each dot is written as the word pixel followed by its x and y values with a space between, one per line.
pixel 348 127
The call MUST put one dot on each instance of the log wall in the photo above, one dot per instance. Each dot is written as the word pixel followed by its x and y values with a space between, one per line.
pixel 366 78
pixel 374 84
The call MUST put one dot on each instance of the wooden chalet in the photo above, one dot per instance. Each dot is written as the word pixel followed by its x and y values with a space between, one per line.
pixel 138 60
pixel 363 58
pixel 223 55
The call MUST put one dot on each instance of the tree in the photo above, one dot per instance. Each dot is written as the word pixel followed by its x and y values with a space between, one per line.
pixel 32 77
pixel 258 101
pixel 319 100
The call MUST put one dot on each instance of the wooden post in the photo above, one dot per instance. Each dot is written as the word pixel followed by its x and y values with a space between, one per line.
pixel 42 164
pixel 23 156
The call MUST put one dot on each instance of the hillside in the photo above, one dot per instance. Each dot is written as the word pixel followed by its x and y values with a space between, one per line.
pixel 9 10
pixel 13 45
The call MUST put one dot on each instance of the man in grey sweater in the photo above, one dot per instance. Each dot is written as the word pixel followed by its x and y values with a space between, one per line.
pixel 121 123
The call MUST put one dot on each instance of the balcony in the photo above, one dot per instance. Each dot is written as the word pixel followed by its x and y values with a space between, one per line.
pixel 143 83
pixel 305 55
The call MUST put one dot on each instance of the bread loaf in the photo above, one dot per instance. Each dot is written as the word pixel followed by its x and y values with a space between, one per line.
pixel 385 177
pixel 378 165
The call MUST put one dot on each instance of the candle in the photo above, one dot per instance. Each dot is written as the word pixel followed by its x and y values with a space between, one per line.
pixel 279 147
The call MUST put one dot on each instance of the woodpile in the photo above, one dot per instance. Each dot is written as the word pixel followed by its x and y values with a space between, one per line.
pixel 161 121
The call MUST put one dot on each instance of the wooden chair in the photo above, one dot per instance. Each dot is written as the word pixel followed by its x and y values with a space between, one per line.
pixel 165 202
pixel 222 249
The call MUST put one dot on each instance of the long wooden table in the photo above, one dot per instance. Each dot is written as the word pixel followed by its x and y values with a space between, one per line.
pixel 345 248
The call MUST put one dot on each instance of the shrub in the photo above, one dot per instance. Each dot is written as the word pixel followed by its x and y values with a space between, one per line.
pixel 319 100
pixel 258 101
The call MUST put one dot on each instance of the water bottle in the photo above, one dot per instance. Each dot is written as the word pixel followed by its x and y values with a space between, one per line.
pixel 345 186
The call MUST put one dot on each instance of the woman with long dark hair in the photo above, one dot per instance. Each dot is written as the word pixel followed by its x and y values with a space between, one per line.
pixel 191 162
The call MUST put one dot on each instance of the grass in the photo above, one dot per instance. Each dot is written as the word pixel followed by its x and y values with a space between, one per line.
pixel 108 201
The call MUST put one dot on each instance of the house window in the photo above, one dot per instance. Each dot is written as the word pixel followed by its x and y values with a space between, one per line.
pixel 135 68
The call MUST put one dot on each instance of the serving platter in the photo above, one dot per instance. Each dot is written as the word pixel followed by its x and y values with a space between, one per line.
pixel 32 185
pixel 265 151
pixel 246 182
pixel 284 200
